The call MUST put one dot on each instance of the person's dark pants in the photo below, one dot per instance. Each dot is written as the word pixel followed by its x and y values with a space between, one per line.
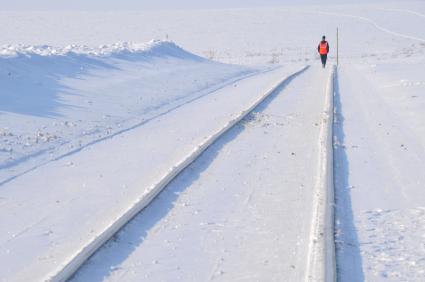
pixel 324 58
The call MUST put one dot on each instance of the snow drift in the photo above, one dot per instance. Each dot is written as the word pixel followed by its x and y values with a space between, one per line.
pixel 58 100
pixel 153 48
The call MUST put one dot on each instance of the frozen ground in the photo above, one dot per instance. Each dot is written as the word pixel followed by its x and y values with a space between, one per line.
pixel 58 110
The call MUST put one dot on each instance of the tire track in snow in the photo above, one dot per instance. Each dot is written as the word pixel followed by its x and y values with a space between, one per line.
pixel 376 25
pixel 406 11
pixel 68 268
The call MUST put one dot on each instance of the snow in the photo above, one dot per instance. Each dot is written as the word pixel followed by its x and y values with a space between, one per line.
pixel 393 243
pixel 321 261
pixel 126 166
pixel 88 126
pixel 61 100
pixel 244 36
pixel 228 204
pixel 380 159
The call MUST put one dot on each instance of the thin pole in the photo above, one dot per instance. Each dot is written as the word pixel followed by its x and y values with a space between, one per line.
pixel 337 47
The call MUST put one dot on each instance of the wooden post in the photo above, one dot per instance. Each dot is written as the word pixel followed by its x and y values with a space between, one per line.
pixel 337 47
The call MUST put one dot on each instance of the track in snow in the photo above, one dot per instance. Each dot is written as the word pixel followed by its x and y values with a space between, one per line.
pixel 406 11
pixel 157 115
pixel 83 254
pixel 126 173
pixel 376 25
pixel 238 211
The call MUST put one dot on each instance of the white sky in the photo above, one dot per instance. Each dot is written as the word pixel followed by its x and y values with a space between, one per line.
pixel 154 4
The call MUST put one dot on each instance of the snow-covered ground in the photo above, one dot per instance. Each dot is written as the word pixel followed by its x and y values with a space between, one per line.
pixel 56 101
pixel 223 218
pixel 110 173
pixel 87 126
pixel 379 156
pixel 245 36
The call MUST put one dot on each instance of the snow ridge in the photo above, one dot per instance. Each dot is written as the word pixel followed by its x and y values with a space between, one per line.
pixel 152 48
pixel 321 265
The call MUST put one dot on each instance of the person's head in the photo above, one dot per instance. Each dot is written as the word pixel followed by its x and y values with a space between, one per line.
pixel 323 38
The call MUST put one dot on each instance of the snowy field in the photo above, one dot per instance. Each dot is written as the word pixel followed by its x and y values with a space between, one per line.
pixel 97 107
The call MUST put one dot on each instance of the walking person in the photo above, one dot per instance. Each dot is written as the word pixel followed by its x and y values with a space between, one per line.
pixel 323 50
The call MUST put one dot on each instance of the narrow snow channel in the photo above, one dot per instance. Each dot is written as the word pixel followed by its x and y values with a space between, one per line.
pixel 241 211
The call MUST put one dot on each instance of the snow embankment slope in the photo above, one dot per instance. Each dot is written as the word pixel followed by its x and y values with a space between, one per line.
pixel 99 184
pixel 55 101
pixel 242 211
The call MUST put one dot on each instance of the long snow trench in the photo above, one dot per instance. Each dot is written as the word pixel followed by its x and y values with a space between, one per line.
pixel 241 211
pixel 52 214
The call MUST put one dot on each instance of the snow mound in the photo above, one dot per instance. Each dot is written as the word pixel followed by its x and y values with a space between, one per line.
pixel 58 100
pixel 153 48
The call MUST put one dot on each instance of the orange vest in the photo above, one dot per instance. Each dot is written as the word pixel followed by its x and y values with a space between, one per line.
pixel 323 48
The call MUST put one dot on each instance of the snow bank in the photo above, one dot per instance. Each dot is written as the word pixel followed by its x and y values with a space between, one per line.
pixel 58 100
pixel 321 265
pixel 152 48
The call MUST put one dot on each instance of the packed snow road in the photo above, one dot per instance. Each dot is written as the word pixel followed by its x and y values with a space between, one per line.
pixel 243 210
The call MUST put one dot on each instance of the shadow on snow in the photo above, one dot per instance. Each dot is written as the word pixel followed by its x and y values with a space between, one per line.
pixel 348 257
pixel 31 84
